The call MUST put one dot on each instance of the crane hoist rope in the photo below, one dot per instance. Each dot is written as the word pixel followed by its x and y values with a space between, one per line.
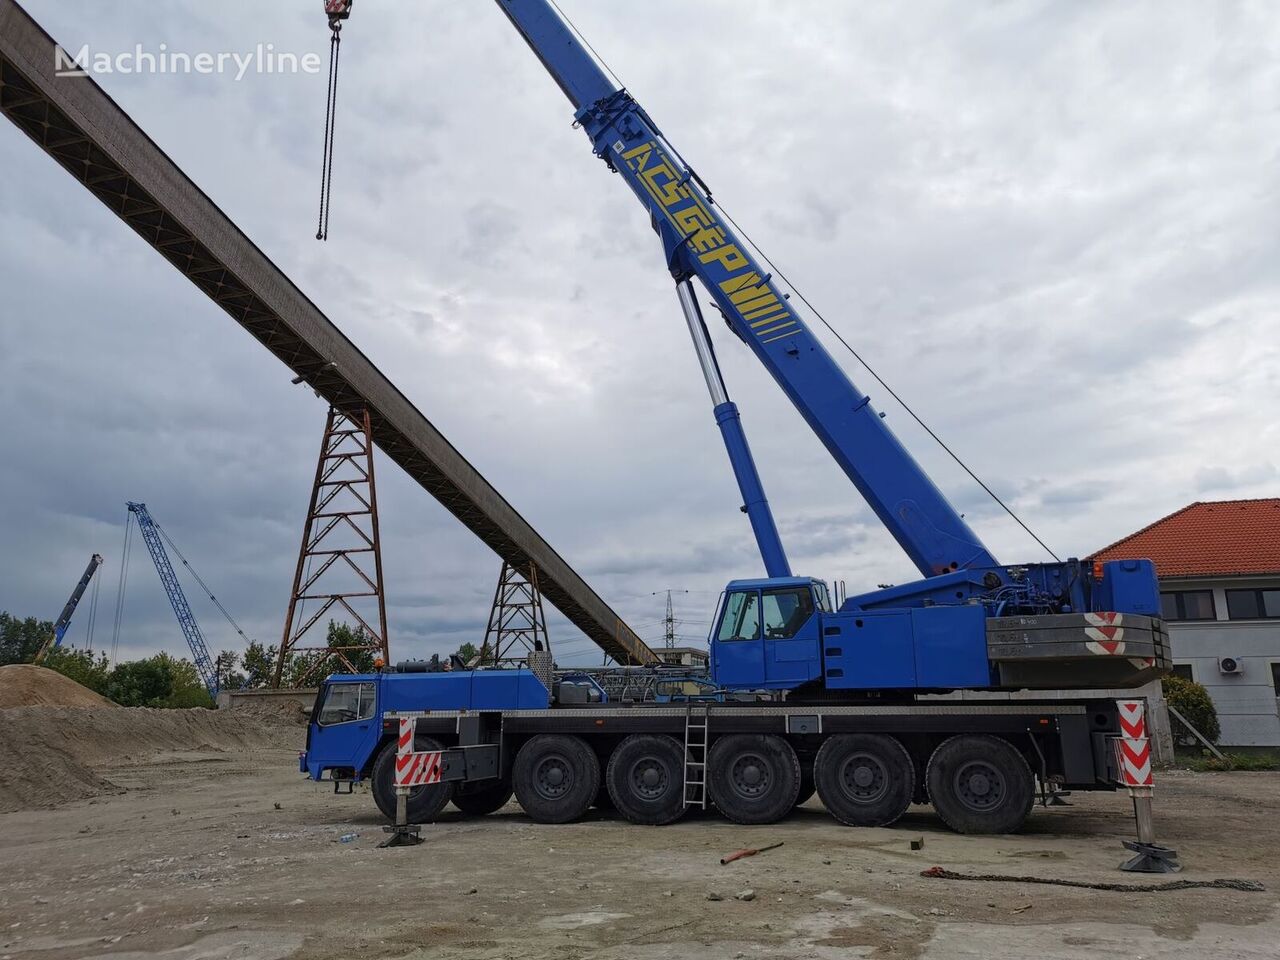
pixel 336 11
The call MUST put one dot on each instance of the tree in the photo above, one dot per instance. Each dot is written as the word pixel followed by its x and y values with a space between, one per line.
pixel 1192 700
pixel 259 663
pixel 342 635
pixel 81 666
pixel 229 678
pixel 21 640
pixel 467 652
pixel 186 688
pixel 140 683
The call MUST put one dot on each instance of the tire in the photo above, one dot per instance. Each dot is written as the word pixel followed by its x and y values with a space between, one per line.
pixel 425 803
pixel 482 798
pixel 603 802
pixel 555 778
pixel 753 778
pixel 980 784
pixel 646 779
pixel 865 779
pixel 807 786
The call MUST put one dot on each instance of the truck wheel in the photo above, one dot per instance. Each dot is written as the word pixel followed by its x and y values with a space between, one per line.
pixel 424 802
pixel 807 786
pixel 478 799
pixel 753 778
pixel 864 779
pixel 980 784
pixel 646 779
pixel 555 778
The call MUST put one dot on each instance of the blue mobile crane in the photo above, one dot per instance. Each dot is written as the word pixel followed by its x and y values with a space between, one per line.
pixel 151 536
pixel 810 695
pixel 63 623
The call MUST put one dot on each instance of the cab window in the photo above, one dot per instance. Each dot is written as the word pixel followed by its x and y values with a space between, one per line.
pixel 786 611
pixel 344 702
pixel 824 599
pixel 741 620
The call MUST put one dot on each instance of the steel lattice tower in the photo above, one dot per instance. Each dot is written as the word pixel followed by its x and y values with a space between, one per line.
pixel 517 625
pixel 340 538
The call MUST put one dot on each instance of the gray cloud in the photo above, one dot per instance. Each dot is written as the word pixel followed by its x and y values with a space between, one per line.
pixel 1051 228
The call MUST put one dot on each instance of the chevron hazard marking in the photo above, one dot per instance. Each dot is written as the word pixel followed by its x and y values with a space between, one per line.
pixel 1105 633
pixel 1133 749
pixel 415 769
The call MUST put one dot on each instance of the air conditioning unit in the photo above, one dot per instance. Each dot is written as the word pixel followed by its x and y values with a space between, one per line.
pixel 1230 665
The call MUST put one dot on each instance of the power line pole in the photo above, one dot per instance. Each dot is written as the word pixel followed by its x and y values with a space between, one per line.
pixel 669 621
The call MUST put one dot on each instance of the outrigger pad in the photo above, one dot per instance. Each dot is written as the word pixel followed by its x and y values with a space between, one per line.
pixel 406 836
pixel 1150 858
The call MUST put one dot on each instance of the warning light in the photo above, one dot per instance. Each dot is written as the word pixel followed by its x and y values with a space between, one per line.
pixel 1097 569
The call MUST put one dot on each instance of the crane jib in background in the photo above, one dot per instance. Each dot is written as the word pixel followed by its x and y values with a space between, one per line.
pixel 151 535
pixel 63 622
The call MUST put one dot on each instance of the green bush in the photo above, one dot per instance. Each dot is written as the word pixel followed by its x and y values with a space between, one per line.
pixel 1192 700
pixel 81 666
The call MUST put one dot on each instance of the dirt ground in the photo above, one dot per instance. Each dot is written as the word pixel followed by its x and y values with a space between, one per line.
pixel 211 855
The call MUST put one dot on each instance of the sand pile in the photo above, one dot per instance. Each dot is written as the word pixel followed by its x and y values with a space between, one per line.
pixel 25 685
pixel 54 754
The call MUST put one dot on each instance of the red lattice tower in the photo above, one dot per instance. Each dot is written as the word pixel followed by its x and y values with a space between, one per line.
pixel 340 563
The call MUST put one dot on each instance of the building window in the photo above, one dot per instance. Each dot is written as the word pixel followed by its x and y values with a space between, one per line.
pixel 1188 605
pixel 1182 670
pixel 1253 604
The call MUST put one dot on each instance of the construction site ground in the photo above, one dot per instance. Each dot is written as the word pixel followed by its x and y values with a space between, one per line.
pixel 228 852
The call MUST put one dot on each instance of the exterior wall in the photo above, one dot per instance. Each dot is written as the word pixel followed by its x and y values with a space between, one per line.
pixel 1248 710
pixel 288 702
pixel 683 656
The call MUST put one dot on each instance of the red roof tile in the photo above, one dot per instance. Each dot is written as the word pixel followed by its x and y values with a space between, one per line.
pixel 1214 538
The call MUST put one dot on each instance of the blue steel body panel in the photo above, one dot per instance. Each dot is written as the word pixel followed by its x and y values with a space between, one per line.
pixel 876 651
pixel 352 745
pixel 1126 586
pixel 946 656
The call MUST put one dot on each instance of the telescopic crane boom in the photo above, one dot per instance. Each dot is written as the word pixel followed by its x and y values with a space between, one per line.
pixel 63 622
pixel 698 242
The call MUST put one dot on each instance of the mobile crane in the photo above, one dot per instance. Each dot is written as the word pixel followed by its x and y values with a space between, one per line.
pixel 63 623
pixel 151 536
pixel 809 695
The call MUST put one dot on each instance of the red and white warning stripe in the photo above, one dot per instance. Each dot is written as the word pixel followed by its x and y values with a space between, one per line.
pixel 1133 749
pixel 1105 633
pixel 415 769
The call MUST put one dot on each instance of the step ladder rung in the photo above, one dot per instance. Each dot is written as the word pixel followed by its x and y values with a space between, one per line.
pixel 695 754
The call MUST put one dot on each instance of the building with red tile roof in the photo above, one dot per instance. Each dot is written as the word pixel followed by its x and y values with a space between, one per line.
pixel 1209 538
pixel 1219 568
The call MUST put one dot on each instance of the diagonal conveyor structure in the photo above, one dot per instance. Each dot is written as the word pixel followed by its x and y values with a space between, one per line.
pixel 85 131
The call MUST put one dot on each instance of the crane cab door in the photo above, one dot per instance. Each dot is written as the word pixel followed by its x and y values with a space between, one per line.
pixel 791 643
pixel 345 729
pixel 737 650
pixel 767 639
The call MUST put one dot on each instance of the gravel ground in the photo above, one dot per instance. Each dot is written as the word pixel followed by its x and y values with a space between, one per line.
pixel 232 854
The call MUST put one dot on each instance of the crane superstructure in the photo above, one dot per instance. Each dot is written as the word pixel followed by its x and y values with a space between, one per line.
pixel 932 633
pixel 151 536
pixel 63 622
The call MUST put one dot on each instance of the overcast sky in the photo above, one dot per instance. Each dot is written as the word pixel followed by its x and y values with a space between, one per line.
pixel 1051 227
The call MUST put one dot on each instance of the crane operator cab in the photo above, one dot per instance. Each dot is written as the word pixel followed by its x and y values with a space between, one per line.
pixel 767 634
